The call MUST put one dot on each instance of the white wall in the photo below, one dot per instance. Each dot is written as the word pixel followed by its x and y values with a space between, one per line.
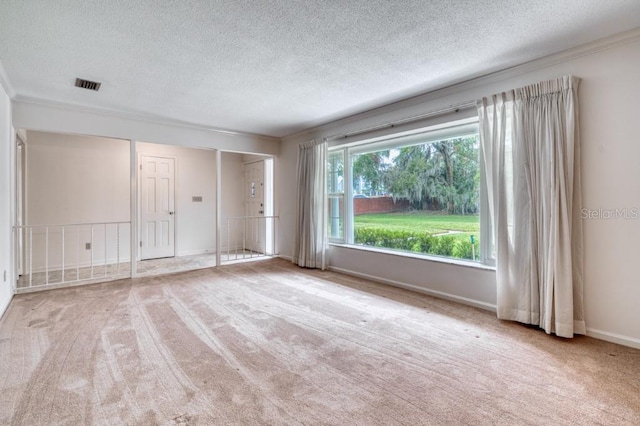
pixel 76 179
pixel 285 192
pixel 232 198
pixel 196 176
pixel 70 180
pixel 609 95
pixel 232 184
pixel 6 257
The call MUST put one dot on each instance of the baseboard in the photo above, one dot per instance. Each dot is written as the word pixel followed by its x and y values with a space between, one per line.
pixel 614 338
pixel 285 257
pixel 591 332
pixel 5 306
pixel 434 293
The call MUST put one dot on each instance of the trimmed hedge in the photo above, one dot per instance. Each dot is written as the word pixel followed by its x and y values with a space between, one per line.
pixel 458 246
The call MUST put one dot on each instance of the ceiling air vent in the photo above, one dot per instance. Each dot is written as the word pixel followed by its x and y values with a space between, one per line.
pixel 86 84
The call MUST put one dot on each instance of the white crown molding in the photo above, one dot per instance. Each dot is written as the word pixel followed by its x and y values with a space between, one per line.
pixel 22 134
pixel 148 118
pixel 5 83
pixel 476 81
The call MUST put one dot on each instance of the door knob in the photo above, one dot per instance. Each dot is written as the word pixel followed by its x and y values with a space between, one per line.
pixel 261 211
pixel 170 212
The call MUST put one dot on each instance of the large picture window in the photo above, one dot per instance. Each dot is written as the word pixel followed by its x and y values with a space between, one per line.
pixel 417 193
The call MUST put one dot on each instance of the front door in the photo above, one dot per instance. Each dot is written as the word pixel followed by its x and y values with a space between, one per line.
pixel 255 228
pixel 157 207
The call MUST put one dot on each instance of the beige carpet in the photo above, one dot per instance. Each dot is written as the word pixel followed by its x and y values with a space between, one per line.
pixel 269 343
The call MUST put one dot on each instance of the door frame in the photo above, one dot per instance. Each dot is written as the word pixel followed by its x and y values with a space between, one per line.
pixel 269 204
pixel 20 197
pixel 139 155
pixel 259 244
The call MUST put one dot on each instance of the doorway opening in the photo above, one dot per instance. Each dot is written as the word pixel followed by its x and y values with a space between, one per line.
pixel 176 208
pixel 249 229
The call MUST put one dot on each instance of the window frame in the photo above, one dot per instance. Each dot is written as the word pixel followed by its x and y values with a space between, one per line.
pixel 338 195
pixel 442 131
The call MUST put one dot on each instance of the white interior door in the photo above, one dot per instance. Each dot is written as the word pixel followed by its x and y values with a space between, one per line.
pixel 157 207
pixel 255 229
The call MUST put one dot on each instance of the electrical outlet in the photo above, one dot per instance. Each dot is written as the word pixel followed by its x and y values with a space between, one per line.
pixel 87 246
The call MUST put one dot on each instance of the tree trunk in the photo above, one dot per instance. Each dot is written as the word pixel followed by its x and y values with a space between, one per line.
pixel 445 149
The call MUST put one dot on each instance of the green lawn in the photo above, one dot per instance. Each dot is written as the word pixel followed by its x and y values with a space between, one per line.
pixel 421 232
pixel 429 222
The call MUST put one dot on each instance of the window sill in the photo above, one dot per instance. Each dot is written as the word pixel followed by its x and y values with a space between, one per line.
pixel 429 258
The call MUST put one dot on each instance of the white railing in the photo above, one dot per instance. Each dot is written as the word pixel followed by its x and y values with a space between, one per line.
pixel 49 255
pixel 248 237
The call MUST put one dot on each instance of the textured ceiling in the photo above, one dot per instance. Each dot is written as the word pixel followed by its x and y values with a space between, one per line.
pixel 275 67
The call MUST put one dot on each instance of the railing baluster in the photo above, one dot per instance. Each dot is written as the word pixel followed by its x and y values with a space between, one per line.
pixel 105 250
pixel 273 236
pixel 46 255
pixel 77 253
pixel 30 257
pixel 24 254
pixel 236 223
pixel 257 233
pixel 118 247
pixel 91 251
pixel 267 243
pixel 262 237
pixel 270 233
pixel 252 238
pixel 244 237
pixel 62 276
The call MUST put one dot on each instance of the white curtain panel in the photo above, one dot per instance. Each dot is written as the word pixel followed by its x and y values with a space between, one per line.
pixel 530 162
pixel 310 231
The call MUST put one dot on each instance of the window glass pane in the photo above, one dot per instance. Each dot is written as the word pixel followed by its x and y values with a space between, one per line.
pixel 335 172
pixel 335 190
pixel 336 209
pixel 422 198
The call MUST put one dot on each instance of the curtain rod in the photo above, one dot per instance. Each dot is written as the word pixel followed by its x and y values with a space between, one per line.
pixel 452 108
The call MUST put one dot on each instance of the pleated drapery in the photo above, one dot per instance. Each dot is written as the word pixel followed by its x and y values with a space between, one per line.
pixel 530 161
pixel 311 223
